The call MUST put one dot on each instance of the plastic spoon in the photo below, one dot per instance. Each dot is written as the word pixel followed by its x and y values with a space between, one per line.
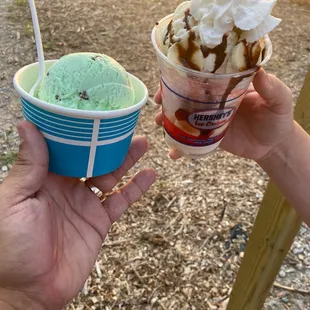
pixel 39 45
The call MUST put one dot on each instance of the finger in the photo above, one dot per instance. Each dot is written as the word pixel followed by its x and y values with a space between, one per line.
pixel 138 148
pixel 31 167
pixel 159 119
pixel 116 204
pixel 157 97
pixel 276 94
pixel 175 154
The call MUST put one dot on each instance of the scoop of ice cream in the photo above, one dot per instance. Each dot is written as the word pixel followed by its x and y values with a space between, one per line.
pixel 218 36
pixel 87 81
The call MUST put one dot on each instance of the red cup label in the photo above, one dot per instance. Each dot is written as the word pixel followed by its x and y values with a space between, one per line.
pixel 200 128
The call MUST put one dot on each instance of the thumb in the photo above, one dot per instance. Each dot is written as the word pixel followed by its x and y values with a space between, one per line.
pixel 30 169
pixel 277 95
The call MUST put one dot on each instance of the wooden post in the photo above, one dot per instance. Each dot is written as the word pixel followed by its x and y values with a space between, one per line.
pixel 273 233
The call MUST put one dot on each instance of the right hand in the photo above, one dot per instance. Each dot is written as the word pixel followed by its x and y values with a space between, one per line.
pixel 263 122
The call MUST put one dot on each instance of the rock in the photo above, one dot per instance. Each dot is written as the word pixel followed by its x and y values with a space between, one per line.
pixel 188 292
pixel 4 169
pixel 282 294
pixel 94 300
pixel 154 300
pixel 282 274
pixel 301 257
pixel 303 230
pixel 297 251
pixel 285 299
pixel 290 270
pixel 260 182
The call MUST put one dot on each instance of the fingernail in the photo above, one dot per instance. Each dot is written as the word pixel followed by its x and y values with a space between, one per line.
pixel 267 77
pixel 262 70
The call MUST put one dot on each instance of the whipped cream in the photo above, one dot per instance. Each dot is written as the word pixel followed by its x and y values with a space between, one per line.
pixel 218 36
pixel 217 17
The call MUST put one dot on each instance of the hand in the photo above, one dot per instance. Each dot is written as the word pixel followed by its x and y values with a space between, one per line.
pixel 52 227
pixel 263 122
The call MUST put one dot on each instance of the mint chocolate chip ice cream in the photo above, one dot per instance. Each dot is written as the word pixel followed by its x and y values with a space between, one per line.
pixel 87 81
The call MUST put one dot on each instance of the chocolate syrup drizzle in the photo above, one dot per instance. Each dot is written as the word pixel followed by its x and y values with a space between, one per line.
pixel 231 86
pixel 219 52
pixel 169 34
pixel 186 55
pixel 83 95
pixel 251 56
pixel 185 20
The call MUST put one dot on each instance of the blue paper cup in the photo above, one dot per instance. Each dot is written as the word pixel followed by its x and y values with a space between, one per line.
pixel 81 143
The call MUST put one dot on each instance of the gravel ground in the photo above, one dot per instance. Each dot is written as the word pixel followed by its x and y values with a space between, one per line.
pixel 181 245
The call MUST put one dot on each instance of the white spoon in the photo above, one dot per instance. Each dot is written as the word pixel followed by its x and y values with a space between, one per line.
pixel 39 45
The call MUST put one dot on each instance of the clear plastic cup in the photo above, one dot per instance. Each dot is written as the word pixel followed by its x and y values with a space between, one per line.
pixel 198 107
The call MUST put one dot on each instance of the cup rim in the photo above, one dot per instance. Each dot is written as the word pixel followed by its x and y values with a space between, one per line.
pixel 75 112
pixel 207 74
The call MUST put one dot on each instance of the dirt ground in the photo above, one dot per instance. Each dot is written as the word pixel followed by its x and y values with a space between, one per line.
pixel 171 250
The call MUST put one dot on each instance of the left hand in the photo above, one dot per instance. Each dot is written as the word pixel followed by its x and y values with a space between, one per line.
pixel 52 227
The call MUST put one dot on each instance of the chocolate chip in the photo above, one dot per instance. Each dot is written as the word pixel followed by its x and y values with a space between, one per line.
pixel 95 57
pixel 48 74
pixel 84 95
pixel 57 97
